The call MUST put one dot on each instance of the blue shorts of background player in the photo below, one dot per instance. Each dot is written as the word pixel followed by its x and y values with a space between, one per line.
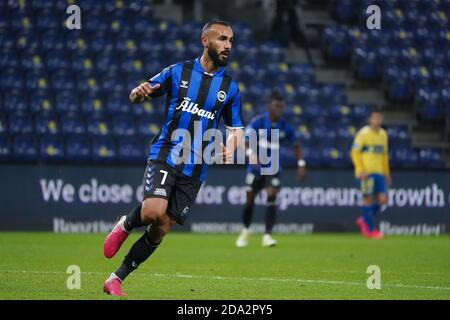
pixel 374 184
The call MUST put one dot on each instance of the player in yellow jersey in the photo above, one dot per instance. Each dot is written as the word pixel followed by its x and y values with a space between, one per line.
pixel 371 161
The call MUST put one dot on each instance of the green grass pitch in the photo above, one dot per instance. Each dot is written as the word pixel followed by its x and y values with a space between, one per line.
pixel 195 266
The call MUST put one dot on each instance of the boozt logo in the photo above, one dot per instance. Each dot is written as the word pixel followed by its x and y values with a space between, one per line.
pixel 221 96
pixel 184 84
pixel 191 107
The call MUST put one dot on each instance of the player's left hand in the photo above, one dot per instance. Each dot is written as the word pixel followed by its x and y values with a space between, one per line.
pixel 225 154
pixel 301 173
pixel 388 180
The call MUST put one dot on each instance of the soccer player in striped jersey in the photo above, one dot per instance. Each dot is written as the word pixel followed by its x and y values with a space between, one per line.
pixel 199 93
pixel 371 161
pixel 255 180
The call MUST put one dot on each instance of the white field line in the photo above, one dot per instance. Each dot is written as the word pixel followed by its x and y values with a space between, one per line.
pixel 190 276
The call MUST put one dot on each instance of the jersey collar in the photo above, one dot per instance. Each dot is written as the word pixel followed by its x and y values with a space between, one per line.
pixel 198 67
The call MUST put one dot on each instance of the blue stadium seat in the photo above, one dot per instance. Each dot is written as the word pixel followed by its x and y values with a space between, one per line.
pixel 147 127
pixel 312 156
pixel 52 149
pixel 3 125
pixel 335 44
pixel 78 149
pixel 429 104
pixel 36 81
pixel 5 147
pixel 406 157
pixel 104 150
pixel 119 104
pixel 67 102
pixel 343 10
pixel 365 63
pixel 15 101
pixel 98 126
pixel 123 126
pixel 131 151
pixel 56 60
pixel 398 137
pixel 334 157
pixel 52 40
pixel 24 148
pixel 92 106
pixel 11 79
pixel 8 59
pixel 47 125
pixel 72 125
pixel 431 158
pixel 62 80
pixel 20 124
pixel 32 60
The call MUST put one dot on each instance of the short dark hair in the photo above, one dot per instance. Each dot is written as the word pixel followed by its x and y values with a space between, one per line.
pixel 275 95
pixel 210 23
pixel 374 110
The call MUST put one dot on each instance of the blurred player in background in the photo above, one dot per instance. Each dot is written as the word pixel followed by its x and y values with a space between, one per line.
pixel 255 181
pixel 198 93
pixel 371 161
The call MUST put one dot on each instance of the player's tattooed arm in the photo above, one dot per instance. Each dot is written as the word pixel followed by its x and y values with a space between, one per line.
pixel 142 91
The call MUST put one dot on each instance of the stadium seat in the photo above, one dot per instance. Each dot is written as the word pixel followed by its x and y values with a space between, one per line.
pixel 78 149
pixel 406 157
pixel 131 150
pixel 25 148
pixel 72 125
pixel 20 123
pixel 123 126
pixel 104 150
pixel 431 158
pixel 5 148
pixel 147 127
pixel 46 125
pixel 52 149
pixel 98 126
pixel 15 102
pixel 67 102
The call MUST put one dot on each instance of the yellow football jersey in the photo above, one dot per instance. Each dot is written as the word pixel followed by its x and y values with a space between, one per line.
pixel 370 151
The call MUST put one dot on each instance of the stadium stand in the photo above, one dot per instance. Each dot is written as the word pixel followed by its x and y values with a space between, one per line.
pixel 63 93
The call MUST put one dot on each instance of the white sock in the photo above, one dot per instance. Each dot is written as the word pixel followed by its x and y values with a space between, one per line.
pixel 112 277
pixel 121 221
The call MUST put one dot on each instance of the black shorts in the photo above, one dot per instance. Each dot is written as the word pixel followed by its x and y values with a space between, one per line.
pixel 256 182
pixel 163 181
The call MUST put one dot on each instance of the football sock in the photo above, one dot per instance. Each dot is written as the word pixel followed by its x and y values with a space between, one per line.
pixel 247 215
pixel 141 250
pixel 271 211
pixel 368 217
pixel 376 208
pixel 133 219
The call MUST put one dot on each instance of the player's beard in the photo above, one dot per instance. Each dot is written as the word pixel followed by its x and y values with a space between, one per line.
pixel 215 57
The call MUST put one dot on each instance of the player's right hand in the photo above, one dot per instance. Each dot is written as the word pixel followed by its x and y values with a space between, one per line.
pixel 363 175
pixel 143 90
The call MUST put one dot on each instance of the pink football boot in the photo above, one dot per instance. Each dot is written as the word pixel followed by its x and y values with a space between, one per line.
pixel 114 239
pixel 363 227
pixel 113 287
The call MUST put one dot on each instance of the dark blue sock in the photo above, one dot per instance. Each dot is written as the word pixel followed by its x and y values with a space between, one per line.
pixel 376 208
pixel 368 216
pixel 133 219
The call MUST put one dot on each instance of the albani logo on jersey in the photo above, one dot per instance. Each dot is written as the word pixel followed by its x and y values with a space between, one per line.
pixel 192 107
